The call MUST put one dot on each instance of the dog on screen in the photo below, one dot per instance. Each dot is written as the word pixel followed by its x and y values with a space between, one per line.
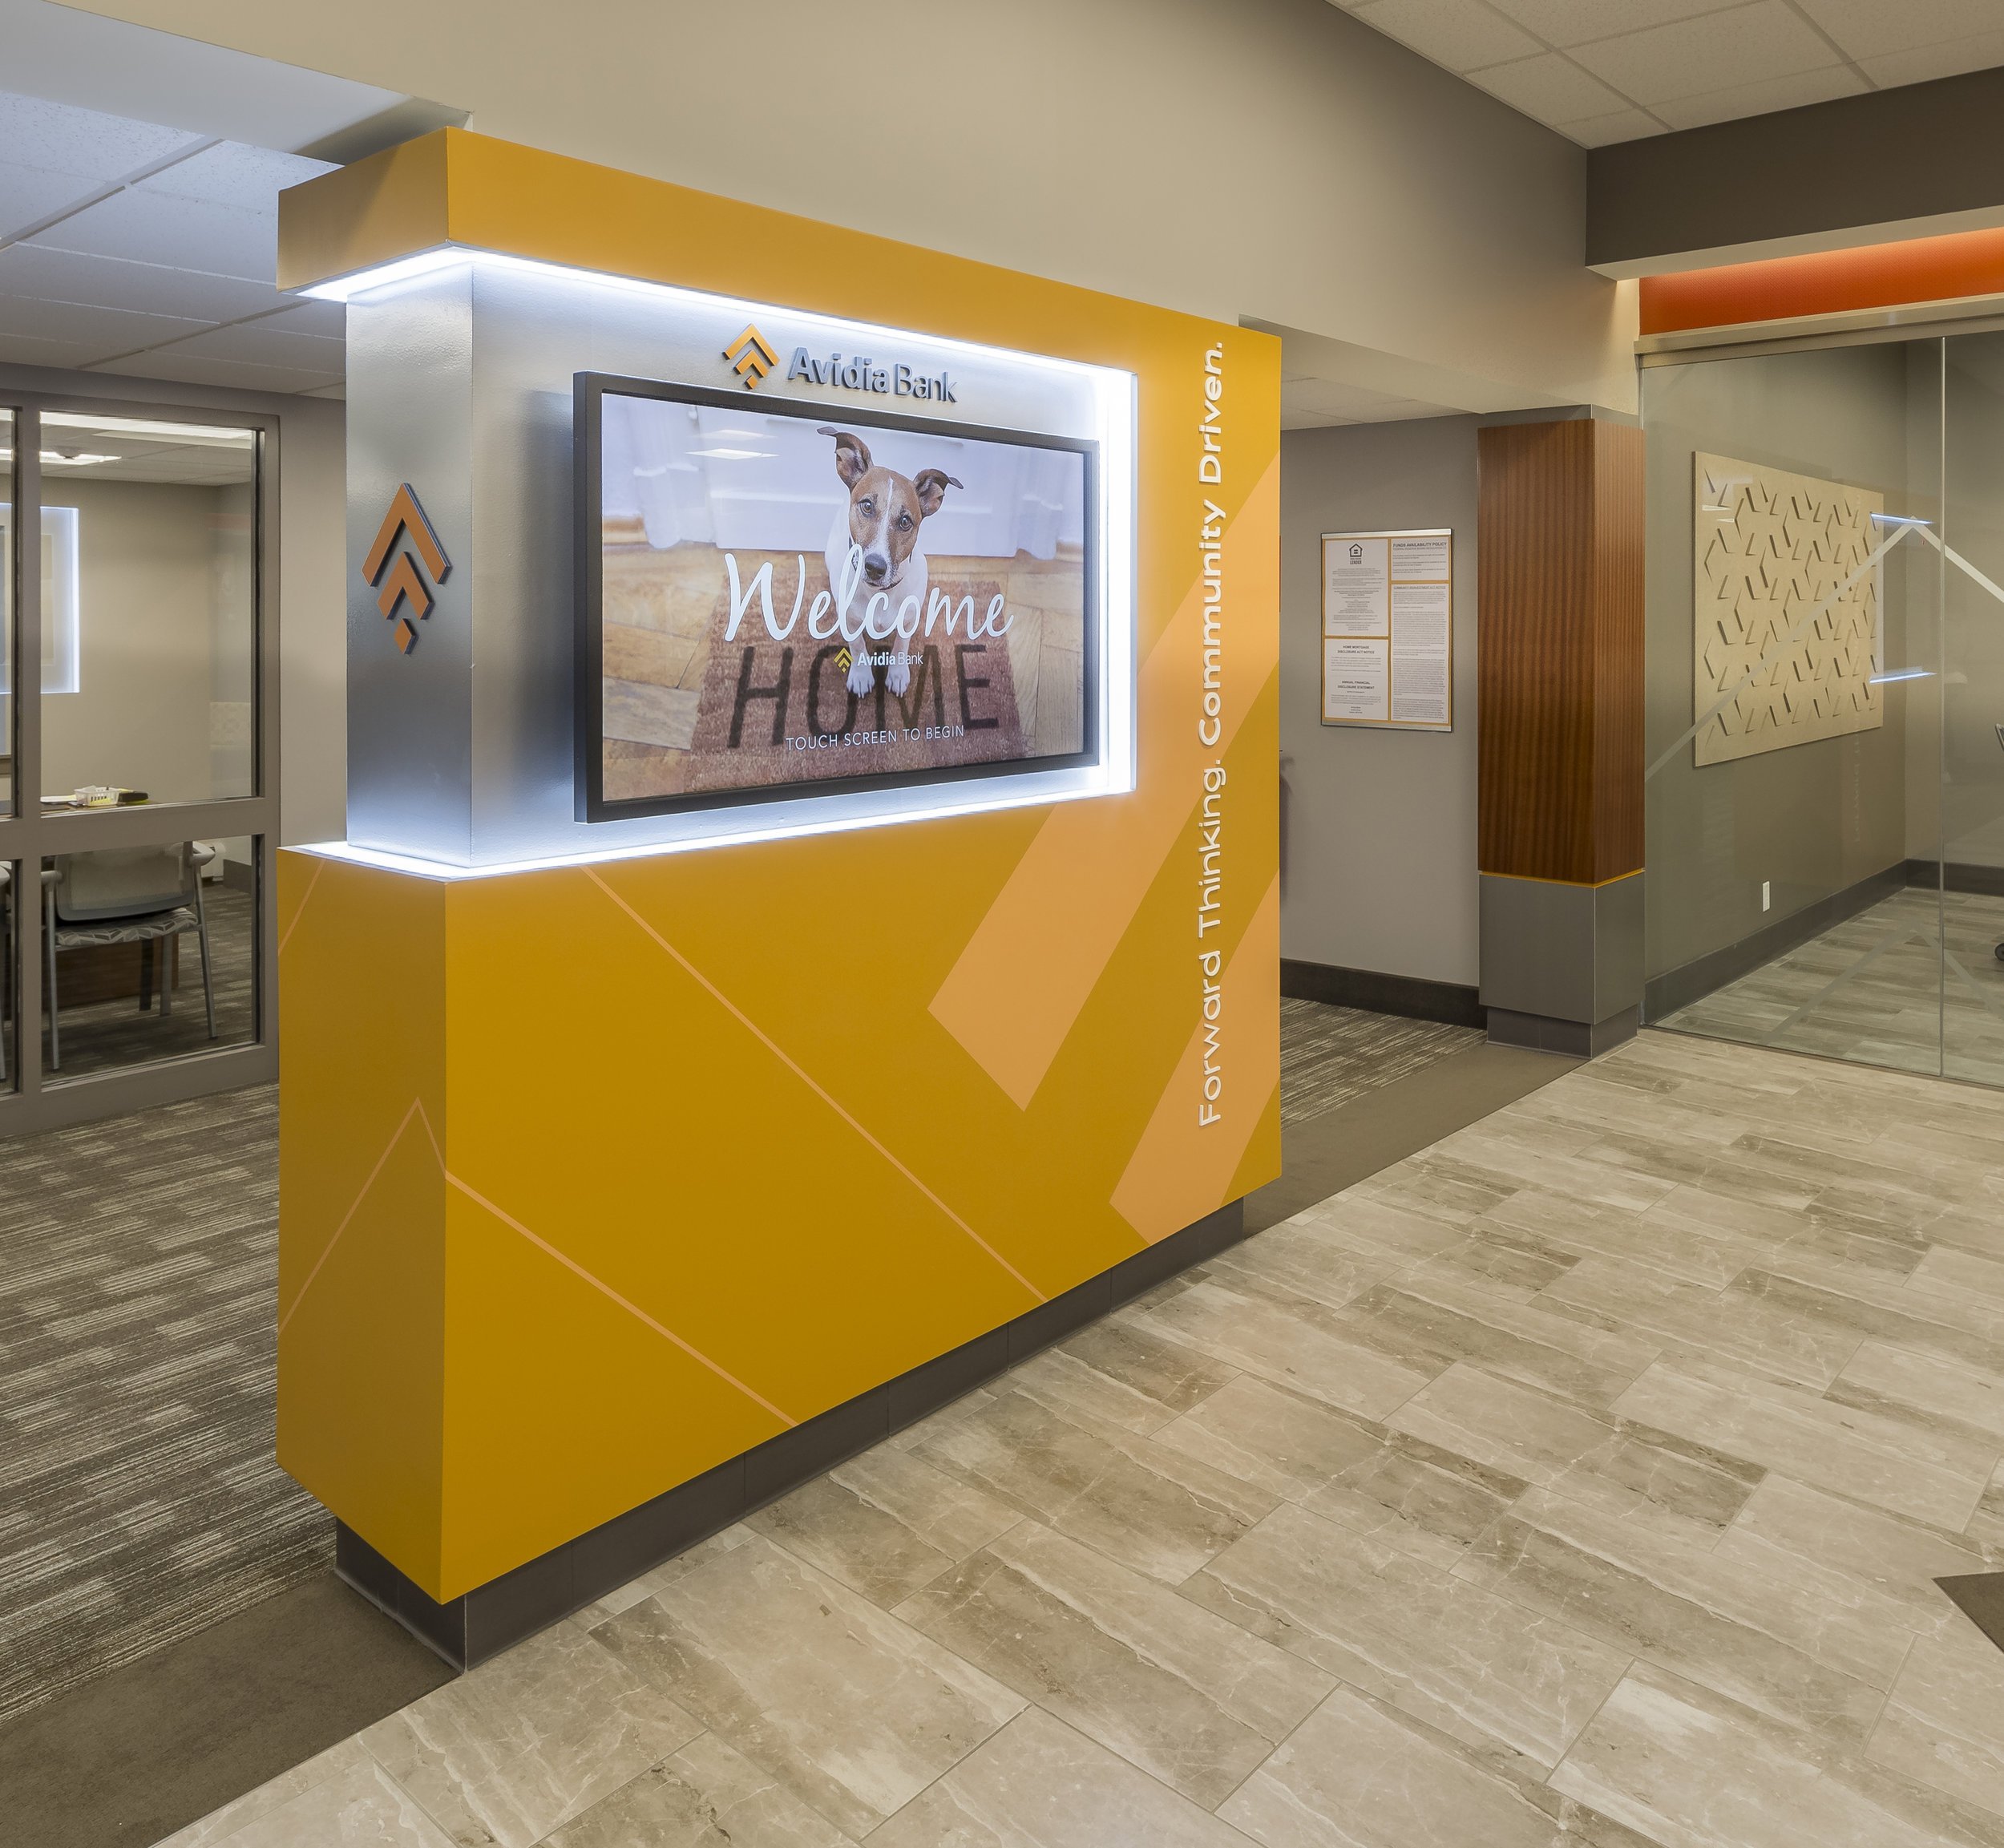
pixel 879 523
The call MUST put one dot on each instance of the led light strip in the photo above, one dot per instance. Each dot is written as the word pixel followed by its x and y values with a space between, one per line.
pixel 1114 421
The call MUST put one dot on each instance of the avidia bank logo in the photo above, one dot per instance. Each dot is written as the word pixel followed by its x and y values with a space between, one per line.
pixel 751 357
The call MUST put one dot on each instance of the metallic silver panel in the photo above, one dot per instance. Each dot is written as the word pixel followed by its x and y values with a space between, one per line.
pixel 410 418
pixel 1569 952
pixel 460 383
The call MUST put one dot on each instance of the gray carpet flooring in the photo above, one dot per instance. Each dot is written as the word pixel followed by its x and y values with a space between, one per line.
pixel 1329 1056
pixel 139 1499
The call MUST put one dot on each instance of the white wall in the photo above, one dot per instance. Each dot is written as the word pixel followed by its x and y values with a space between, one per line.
pixel 1379 847
pixel 1271 159
pixel 141 715
pixel 313 657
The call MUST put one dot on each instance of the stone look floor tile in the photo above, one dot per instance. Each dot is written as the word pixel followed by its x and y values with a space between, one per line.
pixel 1038 1784
pixel 706 1796
pixel 1581 1481
pixel 1688 1769
pixel 1944 1724
pixel 1160 1511
pixel 526 1741
pixel 1489 1672
pixel 1899 1558
pixel 1260 1336
pixel 1677 1624
pixel 1177 1690
pixel 222 1824
pixel 853 1710
pixel 1858 1453
pixel 1592 1455
pixel 360 1806
pixel 1357 1773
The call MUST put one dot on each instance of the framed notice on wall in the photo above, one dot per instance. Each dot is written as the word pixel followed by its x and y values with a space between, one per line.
pixel 1388 629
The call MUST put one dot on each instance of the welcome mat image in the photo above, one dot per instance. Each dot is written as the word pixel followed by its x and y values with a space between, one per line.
pixel 781 711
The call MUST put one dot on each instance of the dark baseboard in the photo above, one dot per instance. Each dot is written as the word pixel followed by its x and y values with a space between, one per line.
pixel 1956 875
pixel 1410 996
pixel 481 1623
pixel 1576 1039
pixel 1704 975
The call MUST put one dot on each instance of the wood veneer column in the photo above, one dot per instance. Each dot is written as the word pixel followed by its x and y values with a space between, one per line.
pixel 1560 682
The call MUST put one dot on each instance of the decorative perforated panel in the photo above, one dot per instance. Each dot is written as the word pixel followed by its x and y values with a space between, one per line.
pixel 1786 625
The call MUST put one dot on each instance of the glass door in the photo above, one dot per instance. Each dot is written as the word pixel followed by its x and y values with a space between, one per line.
pixel 143 810
pixel 1794 674
pixel 1971 738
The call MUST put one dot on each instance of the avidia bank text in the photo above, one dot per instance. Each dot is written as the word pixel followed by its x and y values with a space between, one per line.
pixel 858 373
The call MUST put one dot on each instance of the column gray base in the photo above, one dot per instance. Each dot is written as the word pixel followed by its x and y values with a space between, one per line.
pixel 1577 1039
pixel 483 1622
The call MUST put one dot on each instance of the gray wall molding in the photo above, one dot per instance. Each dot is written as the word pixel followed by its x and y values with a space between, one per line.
pixel 1890 158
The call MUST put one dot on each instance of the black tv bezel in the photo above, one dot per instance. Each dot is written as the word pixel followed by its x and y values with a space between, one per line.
pixel 589 390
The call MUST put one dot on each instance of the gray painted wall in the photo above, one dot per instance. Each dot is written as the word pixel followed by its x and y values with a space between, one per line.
pixel 1379 846
pixel 1812 819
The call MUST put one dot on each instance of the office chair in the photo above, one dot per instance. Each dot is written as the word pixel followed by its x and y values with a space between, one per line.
pixel 126 894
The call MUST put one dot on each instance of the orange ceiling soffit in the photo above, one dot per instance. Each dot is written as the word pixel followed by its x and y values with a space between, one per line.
pixel 1963 264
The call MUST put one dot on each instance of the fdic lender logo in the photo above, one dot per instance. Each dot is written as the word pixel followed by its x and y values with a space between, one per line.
pixel 750 357
pixel 403 582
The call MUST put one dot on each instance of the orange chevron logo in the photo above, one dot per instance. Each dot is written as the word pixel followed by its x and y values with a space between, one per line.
pixel 403 583
pixel 750 357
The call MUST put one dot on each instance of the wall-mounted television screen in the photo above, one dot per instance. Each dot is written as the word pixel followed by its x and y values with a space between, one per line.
pixel 776 598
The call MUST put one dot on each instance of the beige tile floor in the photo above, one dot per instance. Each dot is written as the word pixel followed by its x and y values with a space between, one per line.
pixel 1579 1481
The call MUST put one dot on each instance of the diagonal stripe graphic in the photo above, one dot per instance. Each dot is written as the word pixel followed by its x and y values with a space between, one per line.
pixel 606 1290
pixel 806 1078
pixel 1027 972
pixel 418 1111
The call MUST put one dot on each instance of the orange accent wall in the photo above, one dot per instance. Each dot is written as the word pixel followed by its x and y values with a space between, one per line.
pixel 1826 282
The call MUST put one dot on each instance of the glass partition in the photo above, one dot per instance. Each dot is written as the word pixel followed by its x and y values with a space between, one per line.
pixel 149 608
pixel 1972 742
pixel 1797 666
pixel 7 427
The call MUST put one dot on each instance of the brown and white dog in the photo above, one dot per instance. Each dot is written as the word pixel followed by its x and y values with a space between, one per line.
pixel 880 520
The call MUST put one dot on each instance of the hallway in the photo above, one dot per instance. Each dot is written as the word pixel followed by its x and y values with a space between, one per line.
pixel 1580 1479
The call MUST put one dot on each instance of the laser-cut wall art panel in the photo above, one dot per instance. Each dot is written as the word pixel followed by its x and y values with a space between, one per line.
pixel 1769 548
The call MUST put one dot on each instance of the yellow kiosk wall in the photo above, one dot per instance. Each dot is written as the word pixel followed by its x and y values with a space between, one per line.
pixel 593 1178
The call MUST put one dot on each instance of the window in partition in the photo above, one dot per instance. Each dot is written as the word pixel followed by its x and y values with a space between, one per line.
pixel 149 595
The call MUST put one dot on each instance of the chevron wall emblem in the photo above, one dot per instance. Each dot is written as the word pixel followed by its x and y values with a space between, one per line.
pixel 402 583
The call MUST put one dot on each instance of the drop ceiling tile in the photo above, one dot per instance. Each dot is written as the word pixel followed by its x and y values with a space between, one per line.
pixel 250 179
pixel 330 318
pixel 336 392
pixel 1459 35
pixel 39 134
pixel 1951 59
pixel 257 344
pixel 1871 28
pixel 106 330
pixel 1310 420
pixel 1603 130
pixel 145 288
pixel 1693 57
pixel 1574 22
pixel 23 349
pixel 29 194
pixel 190 368
pixel 1548 88
pixel 176 233
pixel 1744 99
